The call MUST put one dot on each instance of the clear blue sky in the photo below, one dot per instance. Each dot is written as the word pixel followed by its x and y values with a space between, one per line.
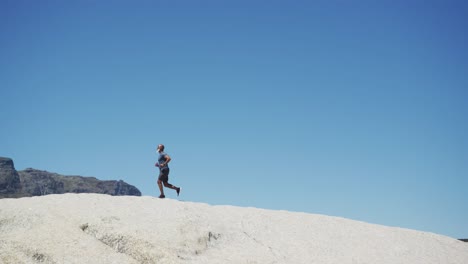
pixel 356 109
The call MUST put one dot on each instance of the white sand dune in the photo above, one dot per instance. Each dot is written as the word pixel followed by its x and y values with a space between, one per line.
pixel 92 228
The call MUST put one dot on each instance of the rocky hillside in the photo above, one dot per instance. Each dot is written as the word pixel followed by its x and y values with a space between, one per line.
pixel 104 229
pixel 10 184
pixel 31 182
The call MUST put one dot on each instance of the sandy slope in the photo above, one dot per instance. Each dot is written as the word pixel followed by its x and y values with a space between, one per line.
pixel 93 228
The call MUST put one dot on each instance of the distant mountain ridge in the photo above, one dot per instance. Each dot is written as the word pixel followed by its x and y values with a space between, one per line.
pixel 32 182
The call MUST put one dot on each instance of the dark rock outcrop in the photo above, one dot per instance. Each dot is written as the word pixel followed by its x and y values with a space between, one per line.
pixel 463 239
pixel 32 182
pixel 10 184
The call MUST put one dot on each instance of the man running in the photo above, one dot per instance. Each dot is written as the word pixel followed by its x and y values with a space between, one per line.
pixel 163 160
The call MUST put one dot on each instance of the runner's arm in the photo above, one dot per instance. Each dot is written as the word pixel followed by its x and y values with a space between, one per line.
pixel 168 158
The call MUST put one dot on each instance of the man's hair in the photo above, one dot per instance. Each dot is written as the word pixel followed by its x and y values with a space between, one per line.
pixel 161 147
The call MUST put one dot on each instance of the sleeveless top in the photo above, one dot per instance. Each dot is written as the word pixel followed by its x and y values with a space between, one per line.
pixel 162 159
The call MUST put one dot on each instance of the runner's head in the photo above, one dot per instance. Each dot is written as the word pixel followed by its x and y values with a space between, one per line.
pixel 160 148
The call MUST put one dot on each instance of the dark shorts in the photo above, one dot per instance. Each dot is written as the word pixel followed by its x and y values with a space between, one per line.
pixel 164 175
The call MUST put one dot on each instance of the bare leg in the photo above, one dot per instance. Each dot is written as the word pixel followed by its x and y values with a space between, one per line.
pixel 170 186
pixel 161 187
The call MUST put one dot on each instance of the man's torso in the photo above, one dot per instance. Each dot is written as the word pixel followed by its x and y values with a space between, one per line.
pixel 161 160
